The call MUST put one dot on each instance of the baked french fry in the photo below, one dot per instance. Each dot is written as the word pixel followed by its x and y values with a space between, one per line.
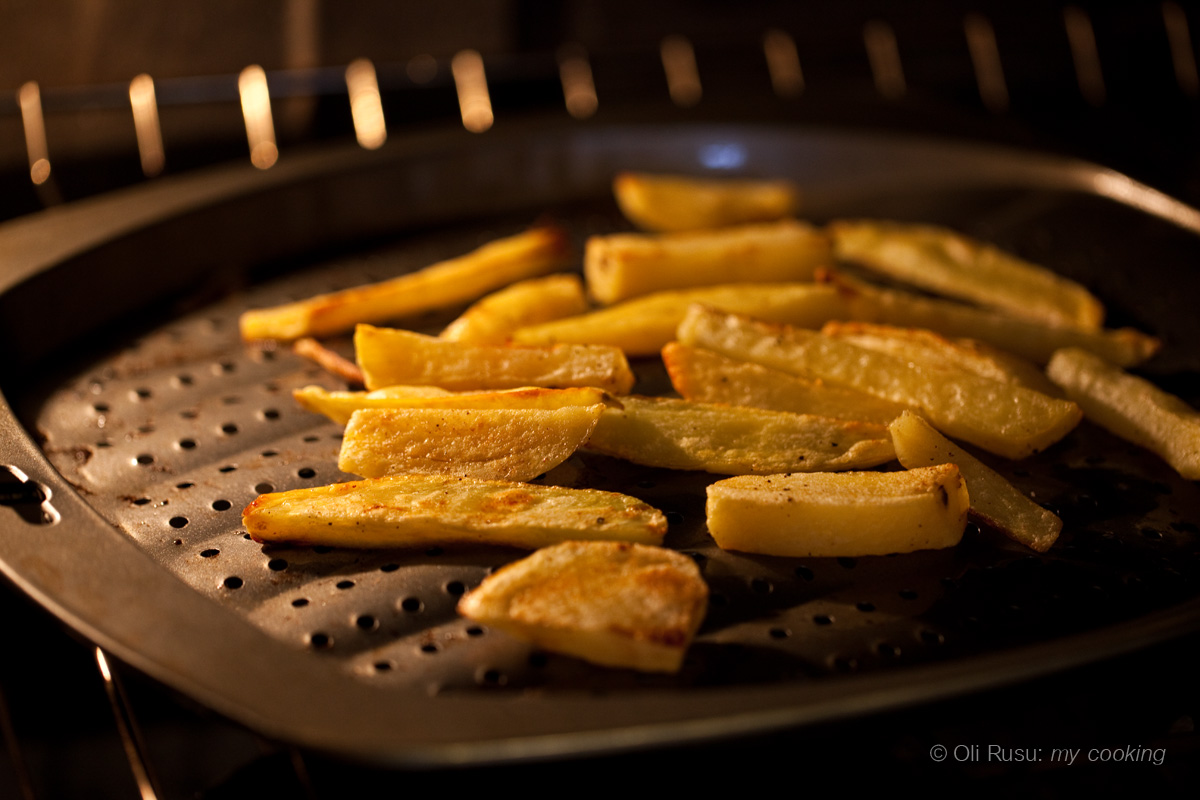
pixel 623 265
pixel 827 514
pixel 331 361
pixel 338 406
pixel 995 502
pixel 610 603
pixel 642 326
pixel 389 356
pixel 731 440
pixel 927 347
pixel 1027 338
pixel 513 444
pixel 955 265
pixel 703 376
pixel 679 203
pixel 424 510
pixel 447 283
pixel 1008 420
pixel 1132 408
pixel 492 319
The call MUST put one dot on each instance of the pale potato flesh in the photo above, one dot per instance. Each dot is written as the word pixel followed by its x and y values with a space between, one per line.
pixel 424 510
pixel 643 325
pixel 610 603
pixel 338 406
pixel 1132 408
pixel 703 376
pixel 828 514
pixel 1028 338
pixel 994 501
pixel 515 444
pixel 492 319
pixel 732 440
pixel 447 283
pixel 1008 420
pixel 390 357
pixel 680 203
pixel 623 265
pixel 955 265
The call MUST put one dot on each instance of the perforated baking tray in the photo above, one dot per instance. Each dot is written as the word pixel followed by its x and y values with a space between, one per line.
pixel 136 426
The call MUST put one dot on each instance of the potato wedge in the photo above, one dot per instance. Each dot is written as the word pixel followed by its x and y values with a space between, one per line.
pixel 730 440
pixel 492 319
pixel 995 502
pixel 513 444
pixel 1132 408
pixel 955 265
pixel 390 356
pixel 679 203
pixel 338 406
pixel 424 510
pixel 828 514
pixel 703 376
pixel 1011 421
pixel 447 283
pixel 623 265
pixel 1027 338
pixel 610 603
pixel 926 347
pixel 642 326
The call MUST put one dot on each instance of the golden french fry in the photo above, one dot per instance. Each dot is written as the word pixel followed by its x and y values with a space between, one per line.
pixel 732 440
pixel 994 501
pixel 338 406
pixel 390 357
pixel 955 265
pixel 703 376
pixel 828 514
pixel 1132 408
pixel 642 326
pixel 492 319
pixel 927 347
pixel 1008 420
pixel 1027 338
pixel 447 283
pixel 679 203
pixel 423 510
pixel 623 265
pixel 610 603
pixel 331 361
pixel 514 444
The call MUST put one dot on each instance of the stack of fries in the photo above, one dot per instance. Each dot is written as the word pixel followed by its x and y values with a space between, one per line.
pixel 795 381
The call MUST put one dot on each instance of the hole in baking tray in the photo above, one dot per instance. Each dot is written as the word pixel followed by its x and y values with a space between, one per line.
pixel 228 468
pixel 320 641
pixel 178 522
pixel 270 414
pixel 307 472
pixel 493 677
pixel 779 633
pixel 300 602
pixel 412 604
pixel 142 393
pixel 346 584
pixel 263 488
pixel 277 564
pixel 888 650
pixel 229 429
pixel 141 501
pixel 233 582
pixel 221 505
pixel 100 407
pixel 104 443
pixel 430 647
pixel 455 588
pixel 231 400
pixel 224 366
pixel 845 664
pixel 366 622
pixel 311 439
pixel 865 606
pixel 383 666
pixel 144 459
pixel 269 453
pixel 822 619
pixel 475 630
pixel 1151 533
pixel 184 485
pixel 209 553
pixel 189 413
pixel 804 573
pixel 389 568
pixel 184 379
pixel 932 637
pixel 761 586
pixel 187 444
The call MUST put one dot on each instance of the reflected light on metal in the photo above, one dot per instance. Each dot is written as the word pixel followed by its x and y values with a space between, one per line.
pixel 884 55
pixel 679 64
pixel 422 68
pixel 579 90
pixel 985 55
pixel 29 97
pixel 783 63
pixel 256 108
pixel 366 107
pixel 1182 54
pixel 1082 39
pixel 146 125
pixel 473 100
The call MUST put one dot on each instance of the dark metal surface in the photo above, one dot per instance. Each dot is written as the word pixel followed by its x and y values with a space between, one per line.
pixel 155 429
